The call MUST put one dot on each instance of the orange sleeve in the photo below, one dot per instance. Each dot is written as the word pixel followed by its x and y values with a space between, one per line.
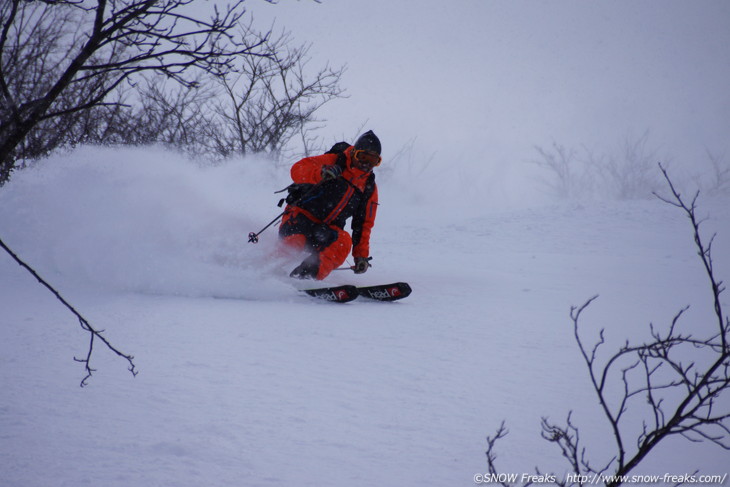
pixel 309 169
pixel 362 246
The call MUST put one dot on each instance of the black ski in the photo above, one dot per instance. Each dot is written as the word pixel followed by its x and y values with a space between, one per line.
pixel 336 294
pixel 386 292
pixel 346 293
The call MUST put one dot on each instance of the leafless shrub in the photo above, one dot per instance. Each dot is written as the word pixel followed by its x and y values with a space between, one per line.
pixel 631 172
pixel 63 57
pixel 270 100
pixel 717 181
pixel 628 173
pixel 565 172
pixel 677 382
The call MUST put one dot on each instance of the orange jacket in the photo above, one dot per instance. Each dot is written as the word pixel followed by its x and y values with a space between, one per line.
pixel 353 194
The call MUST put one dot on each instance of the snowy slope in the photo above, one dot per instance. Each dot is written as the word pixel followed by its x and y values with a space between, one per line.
pixel 245 382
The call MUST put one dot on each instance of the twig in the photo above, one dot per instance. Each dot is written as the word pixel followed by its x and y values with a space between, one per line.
pixel 94 334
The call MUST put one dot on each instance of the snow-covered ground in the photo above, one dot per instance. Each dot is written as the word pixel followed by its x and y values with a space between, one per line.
pixel 245 382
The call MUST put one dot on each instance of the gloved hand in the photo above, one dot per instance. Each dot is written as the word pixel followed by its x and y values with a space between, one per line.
pixel 361 264
pixel 331 172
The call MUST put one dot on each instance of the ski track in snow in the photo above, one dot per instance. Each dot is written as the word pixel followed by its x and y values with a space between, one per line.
pixel 244 381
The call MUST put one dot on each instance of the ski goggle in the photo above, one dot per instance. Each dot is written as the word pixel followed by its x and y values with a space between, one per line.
pixel 366 157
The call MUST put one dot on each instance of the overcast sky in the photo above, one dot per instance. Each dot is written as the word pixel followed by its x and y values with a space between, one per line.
pixel 486 80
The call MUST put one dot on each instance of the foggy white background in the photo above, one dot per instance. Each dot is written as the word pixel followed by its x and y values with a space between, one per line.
pixel 479 82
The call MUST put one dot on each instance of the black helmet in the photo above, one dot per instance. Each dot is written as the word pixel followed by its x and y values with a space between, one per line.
pixel 368 142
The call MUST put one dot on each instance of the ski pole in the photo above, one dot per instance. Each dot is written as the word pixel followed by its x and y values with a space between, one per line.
pixel 254 237
pixel 352 267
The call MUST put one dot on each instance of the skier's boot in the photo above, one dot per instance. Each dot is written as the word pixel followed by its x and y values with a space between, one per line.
pixel 307 269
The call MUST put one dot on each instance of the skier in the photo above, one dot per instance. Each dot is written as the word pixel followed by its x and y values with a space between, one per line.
pixel 327 190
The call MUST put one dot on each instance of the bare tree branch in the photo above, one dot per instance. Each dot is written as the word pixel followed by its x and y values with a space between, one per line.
pixel 675 380
pixel 94 334
pixel 271 99
pixel 68 56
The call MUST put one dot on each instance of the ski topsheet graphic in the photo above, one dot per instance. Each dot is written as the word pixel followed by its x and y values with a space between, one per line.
pixel 336 294
pixel 346 293
pixel 386 292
